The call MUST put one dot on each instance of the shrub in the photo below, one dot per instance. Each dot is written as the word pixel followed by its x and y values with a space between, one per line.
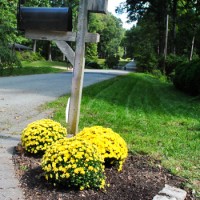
pixel 37 136
pixel 29 56
pixel 74 163
pixel 91 53
pixel 146 61
pixel 8 58
pixel 111 145
pixel 112 61
pixel 187 77
pixel 172 61
pixel 93 65
pixel 157 73
pixel 146 57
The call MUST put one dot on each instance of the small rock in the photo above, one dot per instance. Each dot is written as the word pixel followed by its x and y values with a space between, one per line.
pixel 160 197
pixel 170 191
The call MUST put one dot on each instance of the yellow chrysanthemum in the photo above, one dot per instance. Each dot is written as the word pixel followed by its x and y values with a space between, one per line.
pixel 74 162
pixel 37 136
pixel 111 145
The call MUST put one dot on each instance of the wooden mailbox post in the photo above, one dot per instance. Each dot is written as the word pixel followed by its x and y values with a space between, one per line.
pixel 77 58
pixel 79 64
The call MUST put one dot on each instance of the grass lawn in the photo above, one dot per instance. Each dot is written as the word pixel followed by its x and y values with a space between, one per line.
pixel 36 67
pixel 151 115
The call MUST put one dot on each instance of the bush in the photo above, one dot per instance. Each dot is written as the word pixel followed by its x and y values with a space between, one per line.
pixel 112 61
pixel 37 136
pixel 93 65
pixel 74 163
pixel 187 77
pixel 146 62
pixel 157 73
pixel 172 61
pixel 8 58
pixel 29 56
pixel 110 144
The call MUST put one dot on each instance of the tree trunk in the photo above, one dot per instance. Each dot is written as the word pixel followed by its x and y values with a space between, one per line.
pixel 63 57
pixel 49 51
pixel 161 19
pixel 174 16
pixel 192 47
pixel 34 45
pixel 166 37
pixel 166 41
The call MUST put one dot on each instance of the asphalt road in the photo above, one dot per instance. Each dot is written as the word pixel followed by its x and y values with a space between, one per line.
pixel 130 66
pixel 21 96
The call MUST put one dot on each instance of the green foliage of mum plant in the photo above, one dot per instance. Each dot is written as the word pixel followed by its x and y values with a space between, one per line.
pixel 37 136
pixel 74 163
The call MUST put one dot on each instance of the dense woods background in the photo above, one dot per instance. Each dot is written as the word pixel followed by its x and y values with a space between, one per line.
pixel 167 34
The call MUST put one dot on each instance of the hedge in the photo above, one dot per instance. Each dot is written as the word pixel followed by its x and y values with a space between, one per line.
pixel 187 77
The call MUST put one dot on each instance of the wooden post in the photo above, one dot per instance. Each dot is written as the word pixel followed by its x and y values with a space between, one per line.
pixel 78 73
pixel 67 51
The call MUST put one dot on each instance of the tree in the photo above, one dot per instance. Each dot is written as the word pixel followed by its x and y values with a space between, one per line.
pixel 8 33
pixel 184 18
pixel 8 22
pixel 111 31
pixel 143 50
pixel 187 37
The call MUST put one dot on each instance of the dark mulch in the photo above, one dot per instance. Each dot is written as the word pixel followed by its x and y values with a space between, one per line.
pixel 141 179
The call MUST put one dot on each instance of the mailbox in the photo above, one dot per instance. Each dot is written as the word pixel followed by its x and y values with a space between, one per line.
pixel 42 18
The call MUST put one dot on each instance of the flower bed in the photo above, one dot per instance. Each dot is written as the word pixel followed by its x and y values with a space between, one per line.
pixel 77 162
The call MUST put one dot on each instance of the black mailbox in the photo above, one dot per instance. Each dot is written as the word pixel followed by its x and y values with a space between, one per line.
pixel 39 18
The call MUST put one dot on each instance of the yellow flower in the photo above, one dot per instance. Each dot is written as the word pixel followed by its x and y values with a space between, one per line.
pixel 59 158
pixel 67 175
pixel 73 160
pixel 103 182
pixel 82 188
pixel 74 166
pixel 91 168
pixel 82 171
pixel 76 171
pixel 79 155
pixel 57 176
pixel 46 176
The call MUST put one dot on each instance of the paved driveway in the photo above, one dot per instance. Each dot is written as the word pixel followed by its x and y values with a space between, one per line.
pixel 130 66
pixel 20 96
